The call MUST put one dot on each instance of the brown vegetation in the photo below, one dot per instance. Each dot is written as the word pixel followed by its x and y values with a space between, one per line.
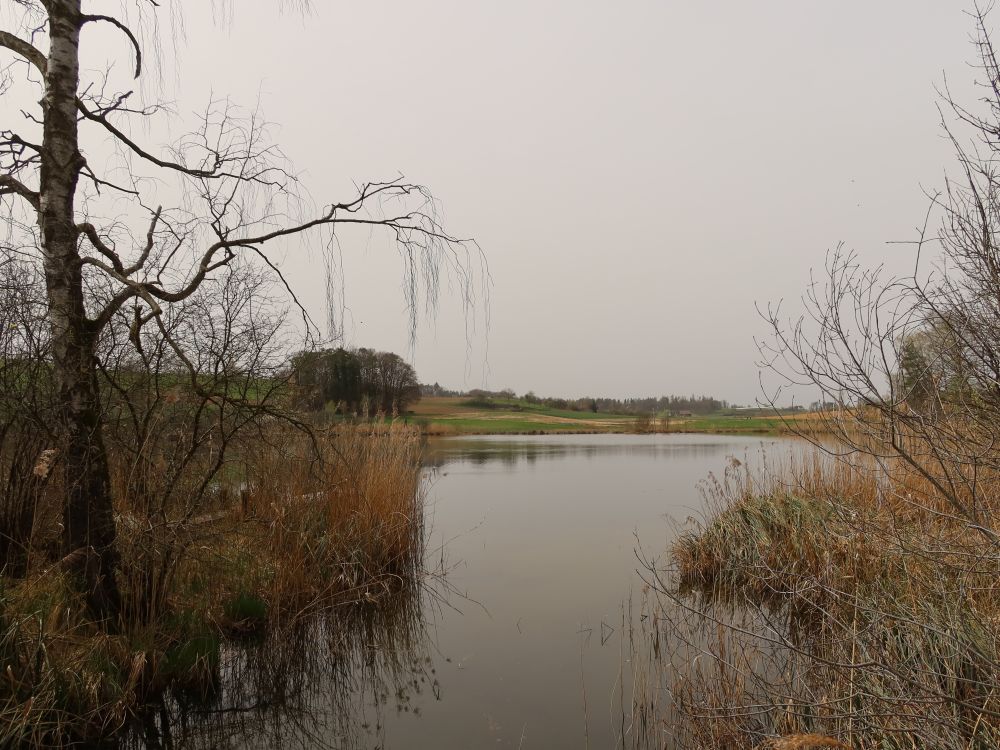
pixel 855 596
pixel 158 259
pixel 306 529
pixel 832 598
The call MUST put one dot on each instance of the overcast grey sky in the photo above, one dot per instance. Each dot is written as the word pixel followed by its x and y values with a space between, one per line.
pixel 639 174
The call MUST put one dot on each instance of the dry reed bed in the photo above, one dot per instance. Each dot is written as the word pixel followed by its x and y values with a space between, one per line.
pixel 299 527
pixel 831 602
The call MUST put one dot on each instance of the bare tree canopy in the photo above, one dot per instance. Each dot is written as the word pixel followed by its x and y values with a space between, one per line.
pixel 913 363
pixel 128 232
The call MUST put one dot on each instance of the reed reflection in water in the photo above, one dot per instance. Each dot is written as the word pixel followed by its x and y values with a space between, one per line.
pixel 324 682
pixel 512 450
pixel 529 639
pixel 543 533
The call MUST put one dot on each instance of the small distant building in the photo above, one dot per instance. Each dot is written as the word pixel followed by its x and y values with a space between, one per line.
pixel 683 413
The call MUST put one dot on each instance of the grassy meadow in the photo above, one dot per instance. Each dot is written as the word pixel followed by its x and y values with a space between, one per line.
pixel 463 415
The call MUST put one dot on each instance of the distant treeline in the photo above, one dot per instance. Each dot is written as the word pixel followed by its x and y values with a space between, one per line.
pixel 662 405
pixel 639 406
pixel 354 381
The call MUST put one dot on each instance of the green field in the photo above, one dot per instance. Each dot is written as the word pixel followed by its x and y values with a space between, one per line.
pixel 461 415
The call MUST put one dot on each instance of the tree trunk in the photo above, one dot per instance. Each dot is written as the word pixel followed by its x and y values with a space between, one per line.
pixel 87 512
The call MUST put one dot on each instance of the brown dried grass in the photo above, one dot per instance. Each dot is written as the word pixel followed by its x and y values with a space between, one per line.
pixel 300 526
pixel 827 599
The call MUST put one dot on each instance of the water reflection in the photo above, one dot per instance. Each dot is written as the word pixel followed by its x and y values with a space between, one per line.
pixel 543 531
pixel 325 682
pixel 526 642
pixel 509 451
pixel 692 666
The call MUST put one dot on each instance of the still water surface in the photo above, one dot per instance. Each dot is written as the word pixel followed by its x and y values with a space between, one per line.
pixel 518 640
pixel 541 534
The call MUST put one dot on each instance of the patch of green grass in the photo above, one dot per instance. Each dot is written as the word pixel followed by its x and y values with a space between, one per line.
pixel 717 423
pixel 192 665
pixel 246 608
pixel 185 657
pixel 515 405
pixel 503 416
pixel 510 424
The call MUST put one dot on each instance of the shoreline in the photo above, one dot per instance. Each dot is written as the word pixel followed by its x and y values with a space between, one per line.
pixel 527 433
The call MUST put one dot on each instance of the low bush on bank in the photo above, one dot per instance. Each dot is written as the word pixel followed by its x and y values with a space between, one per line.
pixel 831 601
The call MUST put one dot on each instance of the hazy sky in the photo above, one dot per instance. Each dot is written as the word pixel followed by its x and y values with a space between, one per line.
pixel 638 174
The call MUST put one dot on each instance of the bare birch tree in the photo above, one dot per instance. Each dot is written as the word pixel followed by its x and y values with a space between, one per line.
pixel 239 199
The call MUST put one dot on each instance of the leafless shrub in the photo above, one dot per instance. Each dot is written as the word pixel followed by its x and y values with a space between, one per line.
pixel 856 599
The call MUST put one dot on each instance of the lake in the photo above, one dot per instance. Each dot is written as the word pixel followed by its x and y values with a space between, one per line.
pixel 535 543
pixel 541 534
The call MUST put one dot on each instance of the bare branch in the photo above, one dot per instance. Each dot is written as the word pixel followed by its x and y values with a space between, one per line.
pixel 25 50
pixel 215 172
pixel 90 231
pixel 125 30
pixel 9 185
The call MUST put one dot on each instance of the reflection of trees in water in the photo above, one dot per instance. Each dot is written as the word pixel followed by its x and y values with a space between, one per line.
pixel 512 453
pixel 326 682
